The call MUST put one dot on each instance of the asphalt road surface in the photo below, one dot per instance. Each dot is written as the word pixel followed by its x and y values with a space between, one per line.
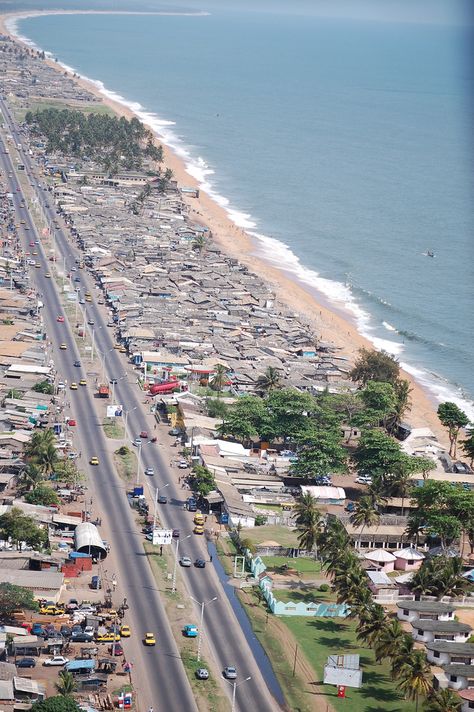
pixel 169 690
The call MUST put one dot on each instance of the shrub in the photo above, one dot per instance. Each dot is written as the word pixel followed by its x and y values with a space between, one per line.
pixel 323 587
pixel 260 520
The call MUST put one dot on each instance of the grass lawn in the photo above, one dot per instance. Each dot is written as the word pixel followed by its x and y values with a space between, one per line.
pixel 93 108
pixel 320 637
pixel 226 551
pixel 283 535
pixel 299 594
pixel 301 565
pixel 126 464
pixel 112 429
pixel 272 507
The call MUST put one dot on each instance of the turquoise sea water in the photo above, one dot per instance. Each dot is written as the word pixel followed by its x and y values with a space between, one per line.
pixel 343 146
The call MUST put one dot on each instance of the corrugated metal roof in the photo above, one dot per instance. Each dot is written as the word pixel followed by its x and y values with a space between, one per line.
pixel 37 580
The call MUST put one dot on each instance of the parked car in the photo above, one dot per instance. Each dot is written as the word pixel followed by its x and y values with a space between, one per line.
pixel 190 631
pixel 364 480
pixel 182 464
pixel 461 468
pixel 202 674
pixel 350 507
pixel 81 638
pixel 115 649
pixel 38 629
pixel 56 661
pixel 26 663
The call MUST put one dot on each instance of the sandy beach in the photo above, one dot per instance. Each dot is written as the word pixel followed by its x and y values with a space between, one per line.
pixel 329 324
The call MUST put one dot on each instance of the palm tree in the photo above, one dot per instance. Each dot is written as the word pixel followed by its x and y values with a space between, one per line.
pixel 423 583
pixel 30 476
pixel 66 684
pixel 270 380
pixel 443 701
pixel 370 623
pixel 39 441
pixel 220 378
pixel 308 521
pixel 401 654
pixel 402 390
pixel 388 640
pixel 47 458
pixel 365 515
pixel 415 677
pixel 199 243
pixel 334 541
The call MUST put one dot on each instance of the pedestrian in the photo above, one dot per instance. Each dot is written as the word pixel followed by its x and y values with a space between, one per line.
pixel 154 427
pixel 210 558
pixel 171 463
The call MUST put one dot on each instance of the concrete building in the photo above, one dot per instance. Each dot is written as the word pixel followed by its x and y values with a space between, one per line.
pixel 408 559
pixel 427 631
pixel 425 610
pixel 445 652
pixel 381 558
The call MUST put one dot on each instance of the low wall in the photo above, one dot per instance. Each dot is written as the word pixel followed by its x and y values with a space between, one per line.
pixel 291 608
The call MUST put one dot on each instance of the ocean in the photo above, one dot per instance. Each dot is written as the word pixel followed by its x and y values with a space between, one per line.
pixel 344 147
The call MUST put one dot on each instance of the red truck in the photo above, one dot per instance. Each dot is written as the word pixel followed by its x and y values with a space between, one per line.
pixel 103 390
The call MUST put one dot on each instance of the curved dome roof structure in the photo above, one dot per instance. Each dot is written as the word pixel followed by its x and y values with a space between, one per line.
pixel 88 540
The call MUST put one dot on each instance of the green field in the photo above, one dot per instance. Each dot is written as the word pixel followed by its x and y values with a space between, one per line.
pixel 281 535
pixel 306 595
pixel 113 429
pixel 320 637
pixel 300 564
pixel 92 108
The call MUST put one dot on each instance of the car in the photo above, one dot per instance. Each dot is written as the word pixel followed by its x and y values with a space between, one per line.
pixel 94 460
pixel 190 631
pixel 182 464
pixel 230 673
pixel 350 507
pixel 202 674
pixel 56 660
pixel 175 534
pixel 82 301
pixel 60 319
pixel 77 364
pixel 144 434
pixel 185 561
pixel 72 422
pixel 72 455
pixel 82 637
pixel 26 663
pixel 77 279
pixel 200 564
pixel 108 637
pixel 149 471
pixel 137 442
pixel 65 631
pixel 125 631
pixel 83 382
pixel 174 431
pixel 115 649
pixel 73 386
pixel 91 322
pixel 198 529
pixel 364 480
pixel 51 611
pixel 63 347
pixel 113 381
pixel 47 275
pixel 38 264
pixel 51 631
pixel 149 639
pixel 461 468
pixel 162 499
pixel 37 629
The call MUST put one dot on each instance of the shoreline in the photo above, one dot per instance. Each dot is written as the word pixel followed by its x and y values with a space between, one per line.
pixel 327 320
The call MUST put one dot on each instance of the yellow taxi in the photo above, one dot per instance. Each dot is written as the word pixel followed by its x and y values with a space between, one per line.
pixel 94 461
pixel 125 631
pixel 73 386
pixel 108 638
pixel 117 346
pixel 123 350
pixel 88 297
pixel 83 382
pixel 198 529
pixel 51 611
pixel 63 347
pixel 149 639
pixel 199 519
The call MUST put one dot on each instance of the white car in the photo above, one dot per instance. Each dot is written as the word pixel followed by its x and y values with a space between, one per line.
pixel 57 660
pixel 364 480
pixel 149 471
pixel 182 464
pixel 185 561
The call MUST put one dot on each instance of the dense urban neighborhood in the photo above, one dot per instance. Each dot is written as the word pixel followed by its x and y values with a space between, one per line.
pixel 203 504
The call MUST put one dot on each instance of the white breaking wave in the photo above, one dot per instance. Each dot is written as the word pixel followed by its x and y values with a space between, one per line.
pixel 269 249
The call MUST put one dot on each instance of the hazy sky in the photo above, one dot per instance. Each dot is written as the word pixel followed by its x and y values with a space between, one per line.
pixel 431 11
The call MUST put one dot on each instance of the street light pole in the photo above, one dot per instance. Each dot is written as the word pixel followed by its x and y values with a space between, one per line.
pixel 201 624
pixel 138 462
pixel 235 686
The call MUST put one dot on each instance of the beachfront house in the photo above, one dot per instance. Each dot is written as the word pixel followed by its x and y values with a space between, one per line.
pixel 427 631
pixel 425 610
pixel 381 559
pixel 445 652
pixel 408 559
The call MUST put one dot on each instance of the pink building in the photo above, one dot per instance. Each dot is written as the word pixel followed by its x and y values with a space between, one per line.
pixel 382 559
pixel 408 559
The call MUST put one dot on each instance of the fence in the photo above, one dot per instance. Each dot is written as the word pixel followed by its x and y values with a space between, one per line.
pixel 291 608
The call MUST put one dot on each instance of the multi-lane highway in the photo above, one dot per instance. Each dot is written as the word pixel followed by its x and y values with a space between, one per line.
pixel 168 687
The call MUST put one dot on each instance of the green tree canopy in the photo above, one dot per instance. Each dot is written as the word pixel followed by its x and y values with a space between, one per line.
pixel 58 703
pixel 44 387
pixel 323 456
pixel 375 366
pixel 453 418
pixel 202 480
pixel 43 495
pixel 20 528
pixel 377 453
pixel 308 521
pixel 244 418
pixel 468 445
pixel 379 400
pixel 14 598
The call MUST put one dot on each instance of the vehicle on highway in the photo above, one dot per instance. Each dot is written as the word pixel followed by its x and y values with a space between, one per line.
pixel 81 301
pixel 200 564
pixel 47 275
pixel 198 529
pixel 73 386
pixel 38 264
pixel 199 519
pixel 162 499
pixel 149 639
pixel 26 663
pixel 83 382
pixel 94 460
pixel 77 279
pixel 175 534
pixel 63 347
pixel 71 422
pixel 60 319
pixel 202 674
pixel 56 660
pixel 77 364
pixel 91 322
pixel 144 434
pixel 149 471
pixel 190 631
pixel 116 649
pixel 125 631
pixel 185 561
pixel 230 673
pixel 137 442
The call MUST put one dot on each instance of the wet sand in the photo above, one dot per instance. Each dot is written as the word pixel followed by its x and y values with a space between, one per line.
pixel 326 321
